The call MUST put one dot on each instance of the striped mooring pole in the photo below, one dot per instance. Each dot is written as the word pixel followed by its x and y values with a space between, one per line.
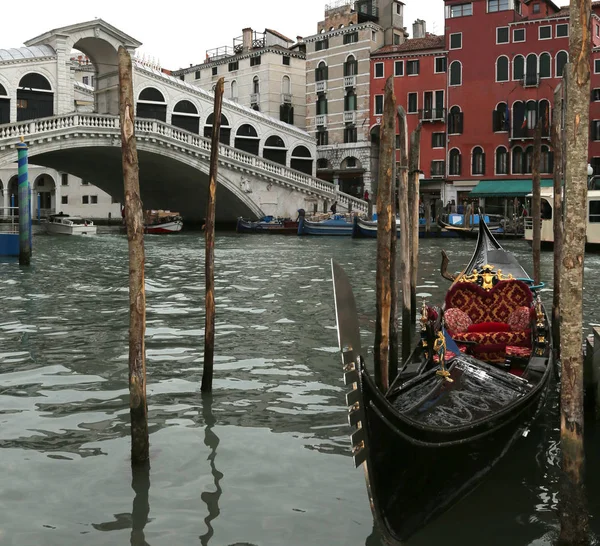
pixel 24 205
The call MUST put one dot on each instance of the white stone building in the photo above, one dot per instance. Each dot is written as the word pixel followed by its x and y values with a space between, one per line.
pixel 264 71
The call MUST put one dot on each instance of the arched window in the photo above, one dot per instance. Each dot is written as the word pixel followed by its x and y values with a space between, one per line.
pixel 35 98
pixel 519 121
pixel 455 121
pixel 274 150
pixel 350 66
pixel 531 69
pixel 455 73
pixel 502 69
pixel 234 91
pixel 151 104
pixel 224 133
pixel 35 82
pixel 185 116
pixel 350 101
pixel 547 161
pixel 518 67
pixel 544 116
pixel 528 160
pixel 4 106
pixel 517 160
pixel 454 160
pixel 562 58
pixel 286 86
pixel 256 85
pixel 478 161
pixel 321 72
pixel 302 160
pixel 500 118
pixel 246 139
pixel 501 160
pixel 545 65
pixel 532 115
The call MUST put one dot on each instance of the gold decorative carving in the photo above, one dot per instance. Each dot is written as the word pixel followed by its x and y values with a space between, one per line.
pixel 486 277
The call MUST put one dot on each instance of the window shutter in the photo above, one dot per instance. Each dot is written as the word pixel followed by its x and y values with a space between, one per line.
pixel 432 141
pixel 459 128
pixel 495 121
pixel 459 164
pixel 483 163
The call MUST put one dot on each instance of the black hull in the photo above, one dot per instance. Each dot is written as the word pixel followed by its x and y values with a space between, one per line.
pixel 413 474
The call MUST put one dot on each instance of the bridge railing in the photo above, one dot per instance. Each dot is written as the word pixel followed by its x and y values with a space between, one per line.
pixel 285 174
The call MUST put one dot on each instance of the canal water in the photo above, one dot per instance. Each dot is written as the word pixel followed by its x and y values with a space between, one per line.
pixel 265 460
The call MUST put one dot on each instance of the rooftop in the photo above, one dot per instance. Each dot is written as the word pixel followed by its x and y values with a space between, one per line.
pixel 26 53
pixel 431 41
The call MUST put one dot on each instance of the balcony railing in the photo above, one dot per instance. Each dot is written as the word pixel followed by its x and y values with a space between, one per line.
pixel 349 81
pixel 520 132
pixel 254 98
pixel 286 98
pixel 321 86
pixel 321 120
pixel 432 114
pixel 531 80
pixel 350 116
pixel 438 168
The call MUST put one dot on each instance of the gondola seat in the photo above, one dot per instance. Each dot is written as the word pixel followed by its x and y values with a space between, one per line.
pixel 494 318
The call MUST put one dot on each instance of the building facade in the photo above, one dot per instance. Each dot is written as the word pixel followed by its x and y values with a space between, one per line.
pixel 492 75
pixel 264 71
pixel 338 83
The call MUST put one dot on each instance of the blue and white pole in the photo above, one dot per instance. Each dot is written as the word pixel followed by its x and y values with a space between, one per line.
pixel 24 205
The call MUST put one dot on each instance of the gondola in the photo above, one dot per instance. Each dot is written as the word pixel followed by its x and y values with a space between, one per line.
pixel 460 400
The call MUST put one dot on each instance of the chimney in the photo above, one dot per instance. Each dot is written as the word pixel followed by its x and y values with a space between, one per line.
pixel 246 39
pixel 419 30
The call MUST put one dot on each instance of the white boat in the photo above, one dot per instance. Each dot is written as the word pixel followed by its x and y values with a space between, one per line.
pixel 64 224
pixel 162 222
pixel 592 236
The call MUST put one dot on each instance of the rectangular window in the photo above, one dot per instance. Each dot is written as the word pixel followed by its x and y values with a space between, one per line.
pixel 396 39
pixel 594 212
pixel 595 127
pixel 545 33
pixel 536 8
pixel 562 30
pixel 86 80
pixel 441 64
pixel 399 68
pixel 412 68
pixel 438 168
pixel 286 60
pixel 197 75
pixel 378 105
pixel 596 94
pixel 596 66
pixel 113 201
pixel 413 105
pixel 322 138
pixel 597 30
pixel 519 35
pixel 94 199
pixel 322 44
pixel 254 61
pixel 438 140
pixel 21 103
pixel 456 41
pixel 64 199
pixel 498 5
pixel 502 35
pixel 235 65
pixel 350 135
pixel 379 70
pixel 351 38
pixel 459 10
pixel 85 199
pixel 215 70
pixel 64 179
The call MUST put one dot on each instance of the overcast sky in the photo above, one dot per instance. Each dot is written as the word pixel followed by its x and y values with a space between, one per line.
pixel 179 32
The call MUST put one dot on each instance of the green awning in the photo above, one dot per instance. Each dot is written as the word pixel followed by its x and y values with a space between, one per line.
pixel 506 188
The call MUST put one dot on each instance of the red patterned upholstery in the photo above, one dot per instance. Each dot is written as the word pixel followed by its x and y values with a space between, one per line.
pixel 490 312
pixel 495 305
pixel 457 320
pixel 519 319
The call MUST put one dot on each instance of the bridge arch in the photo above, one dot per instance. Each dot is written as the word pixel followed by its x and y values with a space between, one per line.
pixel 186 116
pixel 247 139
pixel 4 105
pixel 151 104
pixel 274 149
pixel 45 186
pixel 35 97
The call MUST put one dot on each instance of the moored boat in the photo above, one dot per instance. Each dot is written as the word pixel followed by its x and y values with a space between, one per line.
pixel 336 225
pixel 473 384
pixel 456 223
pixel 367 229
pixel 63 224
pixel 268 224
pixel 162 222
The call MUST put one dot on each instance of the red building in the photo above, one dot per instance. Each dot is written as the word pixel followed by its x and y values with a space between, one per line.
pixel 480 90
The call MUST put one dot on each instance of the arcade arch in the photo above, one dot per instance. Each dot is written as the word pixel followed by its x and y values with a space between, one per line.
pixel 35 98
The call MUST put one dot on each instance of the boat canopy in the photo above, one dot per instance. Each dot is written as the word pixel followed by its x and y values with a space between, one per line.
pixel 506 187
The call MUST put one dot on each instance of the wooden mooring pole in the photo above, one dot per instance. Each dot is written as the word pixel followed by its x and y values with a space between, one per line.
pixel 386 223
pixel 393 365
pixel 558 145
pixel 536 204
pixel 209 264
pixel 405 261
pixel 414 156
pixel 572 505
pixel 134 218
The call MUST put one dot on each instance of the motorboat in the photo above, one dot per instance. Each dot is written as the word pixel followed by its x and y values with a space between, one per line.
pixel 64 224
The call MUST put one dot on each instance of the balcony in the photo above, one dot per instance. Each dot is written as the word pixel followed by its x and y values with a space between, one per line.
pixel 350 116
pixel 531 80
pixel 349 81
pixel 321 120
pixel 286 98
pixel 432 114
pixel 321 86
pixel 438 169
pixel 254 98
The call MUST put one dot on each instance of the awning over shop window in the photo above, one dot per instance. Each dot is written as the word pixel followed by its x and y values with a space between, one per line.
pixel 506 188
